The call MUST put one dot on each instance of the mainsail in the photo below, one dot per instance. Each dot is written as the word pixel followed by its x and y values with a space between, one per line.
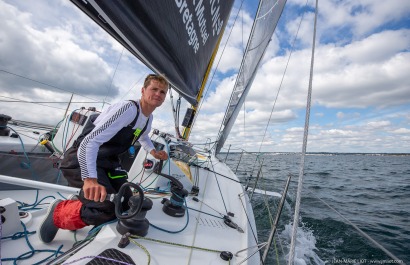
pixel 264 25
pixel 174 38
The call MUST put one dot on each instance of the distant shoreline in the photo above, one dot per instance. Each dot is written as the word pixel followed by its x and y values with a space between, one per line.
pixel 323 153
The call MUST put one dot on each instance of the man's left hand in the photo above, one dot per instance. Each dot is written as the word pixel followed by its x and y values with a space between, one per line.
pixel 161 155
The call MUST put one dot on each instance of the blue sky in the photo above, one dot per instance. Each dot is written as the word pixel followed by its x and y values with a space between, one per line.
pixel 361 83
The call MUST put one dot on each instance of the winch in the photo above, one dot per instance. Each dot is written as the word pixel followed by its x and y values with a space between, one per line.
pixel 134 222
pixel 4 119
pixel 174 205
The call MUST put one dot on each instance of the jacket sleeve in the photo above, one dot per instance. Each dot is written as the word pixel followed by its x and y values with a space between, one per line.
pixel 107 125
pixel 145 140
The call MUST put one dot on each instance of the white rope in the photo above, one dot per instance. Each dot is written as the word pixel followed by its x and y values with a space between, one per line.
pixel 302 164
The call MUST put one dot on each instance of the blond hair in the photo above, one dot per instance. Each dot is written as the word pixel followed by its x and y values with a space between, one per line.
pixel 160 78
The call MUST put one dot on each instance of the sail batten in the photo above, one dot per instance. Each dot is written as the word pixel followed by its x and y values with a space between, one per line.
pixel 264 25
pixel 174 38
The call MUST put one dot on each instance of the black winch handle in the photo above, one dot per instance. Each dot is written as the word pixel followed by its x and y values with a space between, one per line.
pixel 120 194
pixel 157 170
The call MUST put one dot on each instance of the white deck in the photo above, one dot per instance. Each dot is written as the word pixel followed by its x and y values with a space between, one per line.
pixel 219 193
pixel 203 230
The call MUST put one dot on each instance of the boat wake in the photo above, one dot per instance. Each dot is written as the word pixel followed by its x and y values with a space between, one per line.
pixel 305 251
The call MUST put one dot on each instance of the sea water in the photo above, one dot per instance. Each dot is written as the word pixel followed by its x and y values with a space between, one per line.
pixel 370 191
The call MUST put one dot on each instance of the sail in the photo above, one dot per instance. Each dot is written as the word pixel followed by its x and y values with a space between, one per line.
pixel 264 25
pixel 174 38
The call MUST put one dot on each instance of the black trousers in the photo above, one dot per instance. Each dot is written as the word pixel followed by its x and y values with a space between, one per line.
pixel 97 213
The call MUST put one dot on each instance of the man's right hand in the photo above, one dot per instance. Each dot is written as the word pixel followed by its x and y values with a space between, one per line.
pixel 94 191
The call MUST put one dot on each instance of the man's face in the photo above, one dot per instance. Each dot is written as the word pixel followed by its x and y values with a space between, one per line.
pixel 155 93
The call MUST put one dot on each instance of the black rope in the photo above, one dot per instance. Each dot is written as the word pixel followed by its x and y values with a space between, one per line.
pixel 249 222
pixel 219 187
pixel 205 213
pixel 217 173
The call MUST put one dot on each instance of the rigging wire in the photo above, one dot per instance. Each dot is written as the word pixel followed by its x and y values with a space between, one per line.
pixel 39 82
pixel 248 219
pixel 280 86
pixel 133 85
pixel 48 102
pixel 304 146
pixel 388 253
pixel 244 102
pixel 52 86
pixel 219 187
pixel 273 107
pixel 112 79
pixel 238 95
pixel 283 77
pixel 24 101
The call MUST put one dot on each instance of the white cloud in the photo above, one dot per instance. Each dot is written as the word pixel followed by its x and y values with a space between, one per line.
pixel 402 131
pixel 378 124
pixel 50 55
pixel 361 75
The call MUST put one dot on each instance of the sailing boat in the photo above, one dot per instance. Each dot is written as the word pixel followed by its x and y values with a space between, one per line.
pixel 205 216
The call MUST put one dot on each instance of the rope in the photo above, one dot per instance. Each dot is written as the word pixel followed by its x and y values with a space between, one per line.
pixel 276 251
pixel 305 136
pixel 217 173
pixel 280 243
pixel 219 187
pixel 199 211
pixel 256 251
pixel 28 163
pixel 247 218
pixel 176 244
pixel 174 232
pixel 93 233
pixel 23 206
pixel 32 251
pixel 143 248
pixel 265 200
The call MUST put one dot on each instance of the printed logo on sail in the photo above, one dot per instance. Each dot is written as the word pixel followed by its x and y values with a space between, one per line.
pixel 199 10
pixel 189 24
pixel 216 20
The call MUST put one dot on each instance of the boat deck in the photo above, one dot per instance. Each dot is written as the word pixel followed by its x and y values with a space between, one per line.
pixel 200 240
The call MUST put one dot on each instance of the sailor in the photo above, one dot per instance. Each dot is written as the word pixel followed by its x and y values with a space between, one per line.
pixel 93 164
